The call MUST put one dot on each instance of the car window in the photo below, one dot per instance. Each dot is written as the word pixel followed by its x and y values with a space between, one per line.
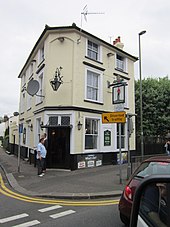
pixel 153 205
pixel 148 168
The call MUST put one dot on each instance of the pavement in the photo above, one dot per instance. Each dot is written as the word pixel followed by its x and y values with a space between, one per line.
pixel 91 183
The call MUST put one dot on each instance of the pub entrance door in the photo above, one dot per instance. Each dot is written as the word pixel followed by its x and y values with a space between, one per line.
pixel 58 153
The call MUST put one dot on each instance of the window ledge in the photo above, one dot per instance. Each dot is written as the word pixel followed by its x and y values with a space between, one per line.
pixel 29 109
pixel 40 63
pixel 40 68
pixel 93 102
pixel 120 70
pixel 94 66
pixel 87 151
pixel 39 103
pixel 94 60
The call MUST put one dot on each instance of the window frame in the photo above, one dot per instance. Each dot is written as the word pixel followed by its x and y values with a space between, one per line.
pixel 119 62
pixel 40 79
pixel 99 89
pixel 29 101
pixel 97 135
pixel 41 55
pixel 123 136
pixel 91 49
pixel 22 102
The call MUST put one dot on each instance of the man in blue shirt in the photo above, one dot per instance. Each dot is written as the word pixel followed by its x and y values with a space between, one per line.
pixel 41 155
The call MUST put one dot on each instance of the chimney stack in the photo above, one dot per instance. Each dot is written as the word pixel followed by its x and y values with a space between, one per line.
pixel 117 43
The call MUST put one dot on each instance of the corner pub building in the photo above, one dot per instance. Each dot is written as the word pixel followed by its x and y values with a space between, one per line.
pixel 64 92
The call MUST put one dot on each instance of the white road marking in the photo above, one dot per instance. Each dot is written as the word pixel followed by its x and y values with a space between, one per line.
pixel 59 215
pixel 28 224
pixel 12 218
pixel 49 208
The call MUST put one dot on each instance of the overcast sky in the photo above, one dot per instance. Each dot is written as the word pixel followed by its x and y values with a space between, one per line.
pixel 22 22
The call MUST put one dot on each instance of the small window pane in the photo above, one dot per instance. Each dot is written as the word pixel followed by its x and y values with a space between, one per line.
pixel 53 120
pixel 90 142
pixel 65 120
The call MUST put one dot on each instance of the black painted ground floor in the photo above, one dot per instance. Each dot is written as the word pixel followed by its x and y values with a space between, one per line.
pixel 59 159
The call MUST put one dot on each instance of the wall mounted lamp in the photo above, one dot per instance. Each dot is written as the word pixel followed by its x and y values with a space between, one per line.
pixel 110 54
pixel 57 80
pixel 79 125
pixel 61 39
pixel 41 124
pixel 31 127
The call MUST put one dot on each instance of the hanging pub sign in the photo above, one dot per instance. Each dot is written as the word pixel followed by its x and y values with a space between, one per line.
pixel 107 138
pixel 118 94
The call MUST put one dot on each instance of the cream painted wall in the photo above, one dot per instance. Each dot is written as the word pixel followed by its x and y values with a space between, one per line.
pixel 70 55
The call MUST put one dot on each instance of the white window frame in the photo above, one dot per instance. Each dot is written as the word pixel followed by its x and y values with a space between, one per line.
pixel 22 102
pixel 38 131
pixel 28 134
pixel 31 69
pixel 29 101
pixel 41 54
pixel 123 136
pixel 23 80
pixel 126 105
pixel 92 50
pixel 122 62
pixel 97 135
pixel 40 79
pixel 99 88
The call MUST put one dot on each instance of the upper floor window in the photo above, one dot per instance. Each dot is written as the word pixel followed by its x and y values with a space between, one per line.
pixel 126 95
pixel 39 98
pixel 121 63
pixel 23 80
pixel 22 103
pixel 93 86
pixel 41 54
pixel 31 68
pixel 93 51
pixel 29 101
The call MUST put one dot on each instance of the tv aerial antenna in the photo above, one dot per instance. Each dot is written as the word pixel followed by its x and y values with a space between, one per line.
pixel 85 13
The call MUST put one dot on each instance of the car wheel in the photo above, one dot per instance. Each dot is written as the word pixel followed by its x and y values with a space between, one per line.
pixel 124 219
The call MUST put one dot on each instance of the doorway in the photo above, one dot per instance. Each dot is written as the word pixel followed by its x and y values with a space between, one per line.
pixel 58 154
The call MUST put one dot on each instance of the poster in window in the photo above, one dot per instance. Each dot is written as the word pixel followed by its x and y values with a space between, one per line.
pixel 107 138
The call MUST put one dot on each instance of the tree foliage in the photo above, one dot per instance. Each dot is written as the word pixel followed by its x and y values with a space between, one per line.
pixel 156 106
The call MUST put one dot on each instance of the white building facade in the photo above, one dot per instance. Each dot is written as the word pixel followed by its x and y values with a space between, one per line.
pixel 72 115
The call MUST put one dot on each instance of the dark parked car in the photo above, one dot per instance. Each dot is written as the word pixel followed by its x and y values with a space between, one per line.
pixel 154 165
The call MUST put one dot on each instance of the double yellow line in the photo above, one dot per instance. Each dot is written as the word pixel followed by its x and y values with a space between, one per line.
pixel 7 192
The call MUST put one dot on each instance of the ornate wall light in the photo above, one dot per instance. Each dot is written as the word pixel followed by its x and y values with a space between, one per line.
pixel 79 125
pixel 57 80
pixel 30 126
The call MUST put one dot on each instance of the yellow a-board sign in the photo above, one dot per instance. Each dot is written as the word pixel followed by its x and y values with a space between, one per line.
pixel 114 117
